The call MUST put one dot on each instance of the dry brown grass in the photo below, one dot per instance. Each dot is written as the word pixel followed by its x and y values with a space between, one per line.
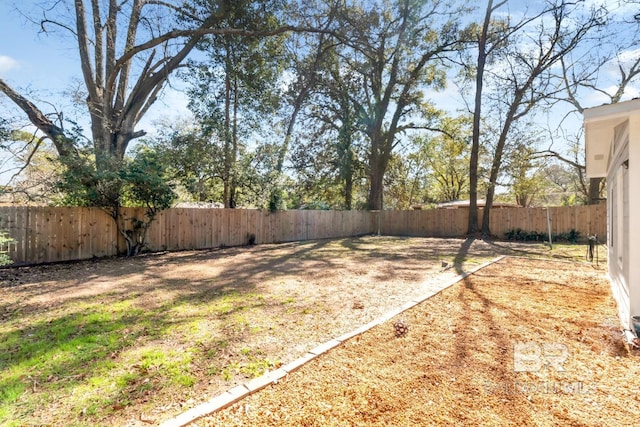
pixel 456 365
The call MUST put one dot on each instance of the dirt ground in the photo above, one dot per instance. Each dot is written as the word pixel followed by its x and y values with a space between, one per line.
pixel 239 311
pixel 521 342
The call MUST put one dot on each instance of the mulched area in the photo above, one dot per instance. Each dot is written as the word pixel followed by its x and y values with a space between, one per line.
pixel 521 342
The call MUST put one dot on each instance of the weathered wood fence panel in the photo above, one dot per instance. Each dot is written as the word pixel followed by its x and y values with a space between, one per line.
pixel 587 220
pixel 44 234
pixel 432 223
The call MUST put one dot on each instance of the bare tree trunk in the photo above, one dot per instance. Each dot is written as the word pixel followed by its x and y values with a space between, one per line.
pixel 226 174
pixel 472 226
pixel 376 190
pixel 497 163
pixel 378 161
pixel 348 177
pixel 348 189
pixel 594 191
pixel 233 186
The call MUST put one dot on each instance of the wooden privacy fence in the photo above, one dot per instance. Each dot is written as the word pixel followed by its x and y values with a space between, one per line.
pixel 43 234
pixel 587 220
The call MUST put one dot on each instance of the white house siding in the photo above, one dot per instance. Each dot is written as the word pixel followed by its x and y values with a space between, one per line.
pixel 612 138
pixel 618 206
pixel 632 272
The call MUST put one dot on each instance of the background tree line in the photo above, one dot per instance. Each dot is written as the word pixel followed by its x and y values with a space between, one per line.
pixel 327 104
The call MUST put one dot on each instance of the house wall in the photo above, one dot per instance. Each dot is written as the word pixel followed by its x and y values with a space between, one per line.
pixel 612 137
pixel 618 206
pixel 633 273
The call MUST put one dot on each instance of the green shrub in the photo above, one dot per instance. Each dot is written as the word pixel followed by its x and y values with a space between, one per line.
pixel 570 236
pixel 5 241
pixel 520 235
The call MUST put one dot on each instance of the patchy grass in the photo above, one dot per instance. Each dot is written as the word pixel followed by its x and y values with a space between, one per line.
pixel 250 364
pixel 115 340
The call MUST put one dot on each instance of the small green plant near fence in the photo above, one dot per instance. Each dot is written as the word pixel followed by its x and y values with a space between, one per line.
pixel 5 241
pixel 520 235
pixel 571 236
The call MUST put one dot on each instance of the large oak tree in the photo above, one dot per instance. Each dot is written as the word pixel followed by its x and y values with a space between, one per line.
pixel 127 50
pixel 395 51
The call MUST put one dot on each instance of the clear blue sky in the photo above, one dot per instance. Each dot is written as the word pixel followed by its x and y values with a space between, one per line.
pixel 31 59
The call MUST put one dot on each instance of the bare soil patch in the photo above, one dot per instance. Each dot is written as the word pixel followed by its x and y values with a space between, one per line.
pixel 521 342
pixel 137 341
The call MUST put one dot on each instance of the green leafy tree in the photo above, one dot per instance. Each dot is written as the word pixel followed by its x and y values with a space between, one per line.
pixel 524 173
pixel 395 51
pixel 127 51
pixel 406 182
pixel 193 158
pixel 145 184
pixel 328 167
pixel 331 160
pixel 264 183
pixel 5 241
pixel 140 181
pixel 236 85
pixel 305 55
pixel 447 158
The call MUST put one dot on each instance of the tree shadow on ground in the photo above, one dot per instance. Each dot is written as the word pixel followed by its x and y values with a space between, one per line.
pixel 158 287
pixel 113 277
pixel 462 254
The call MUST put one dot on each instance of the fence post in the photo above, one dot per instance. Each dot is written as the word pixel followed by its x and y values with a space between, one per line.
pixel 549 229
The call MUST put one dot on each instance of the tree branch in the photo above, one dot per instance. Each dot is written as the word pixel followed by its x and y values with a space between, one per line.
pixel 83 47
pixel 62 143
pixel 204 30
pixel 551 153
pixel 29 157
pixel 98 45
